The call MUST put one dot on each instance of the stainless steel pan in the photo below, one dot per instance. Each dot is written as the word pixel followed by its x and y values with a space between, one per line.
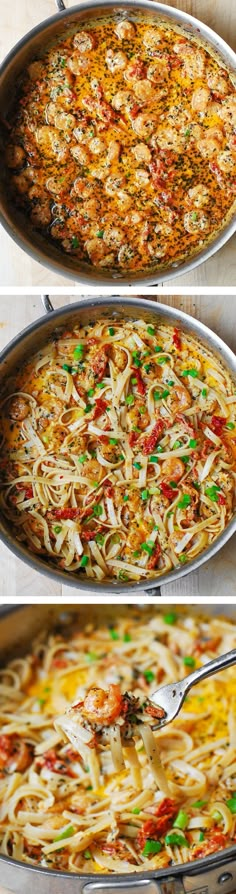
pixel 30 340
pixel 15 63
pixel 215 874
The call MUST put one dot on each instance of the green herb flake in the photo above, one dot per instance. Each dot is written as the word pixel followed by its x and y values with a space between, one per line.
pixel 189 661
pixel 67 833
pixel 170 618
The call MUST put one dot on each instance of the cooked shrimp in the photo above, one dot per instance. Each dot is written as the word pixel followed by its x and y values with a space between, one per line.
pixel 152 38
pixel 125 30
pixel 196 222
pixel 173 468
pixel 199 195
pixel 97 146
pixel 124 200
pixel 18 408
pixel 91 208
pixel 144 91
pixel 142 177
pixel 138 415
pixel 15 156
pixel 64 121
pixel 142 153
pixel 50 143
pixel 84 41
pixel 93 469
pixel 114 150
pixel 82 188
pixel 96 250
pixel 193 59
pixel 228 110
pixel 41 213
pixel 210 144
pixel 116 61
pixel 15 755
pixel 35 70
pixel 179 399
pixel 217 82
pixel 225 161
pixel 113 236
pixel 80 154
pixel 102 706
pixel 119 357
pixel 78 64
pixel 170 138
pixel 157 71
pixel 144 125
pixel 83 132
pixel 54 185
pixel 120 99
pixel 200 99
pixel 113 184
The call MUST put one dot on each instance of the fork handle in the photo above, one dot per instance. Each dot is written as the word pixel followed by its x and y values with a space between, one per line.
pixel 212 667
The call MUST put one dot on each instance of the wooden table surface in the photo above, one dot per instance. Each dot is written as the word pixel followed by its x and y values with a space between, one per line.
pixel 17 268
pixel 217 576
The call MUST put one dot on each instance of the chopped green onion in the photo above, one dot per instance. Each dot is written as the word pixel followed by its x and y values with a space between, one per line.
pixel 170 618
pixel 148 547
pixel 201 836
pixel 111 330
pixel 100 234
pixel 230 425
pixel 84 561
pixel 91 392
pixel 123 576
pixel 151 847
pixel 162 360
pixel 145 494
pixel 127 638
pixel 87 853
pixel 194 215
pixel 189 661
pixel 137 465
pixel 100 539
pixel 150 330
pixel 183 558
pixel 125 498
pixel 88 408
pixel 153 459
pixel 136 553
pixel 134 380
pixel 142 410
pixel 204 392
pixel 149 676
pixel 157 349
pixel 185 459
pixel 181 820
pixel 91 656
pixel 129 400
pixel 156 528
pixel 184 502
pixel 190 372
pixel 212 492
pixel 165 393
pixel 147 367
pixel 173 484
pixel 75 242
pixel 113 440
pixel 159 449
pixel 79 350
pixel 57 529
pixel 231 804
pixel 176 445
pixel 199 804
pixel 66 367
pixel 113 633
pixel 170 382
pixel 121 457
pixel 192 442
pixel 174 838
pixel 217 816
pixel 136 810
pixel 157 395
pixel 82 459
pixel 66 834
pixel 100 384
pixel 97 509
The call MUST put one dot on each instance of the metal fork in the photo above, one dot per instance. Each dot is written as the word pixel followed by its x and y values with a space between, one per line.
pixel 171 697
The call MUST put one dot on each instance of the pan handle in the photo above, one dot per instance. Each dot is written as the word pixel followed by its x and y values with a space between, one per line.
pixel 60 5
pixel 48 306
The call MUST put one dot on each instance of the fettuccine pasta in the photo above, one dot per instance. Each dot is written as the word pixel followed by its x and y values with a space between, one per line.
pixel 118 449
pixel 68 808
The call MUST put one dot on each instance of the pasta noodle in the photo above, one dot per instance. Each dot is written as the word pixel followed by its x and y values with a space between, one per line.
pixel 118 461
pixel 91 805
